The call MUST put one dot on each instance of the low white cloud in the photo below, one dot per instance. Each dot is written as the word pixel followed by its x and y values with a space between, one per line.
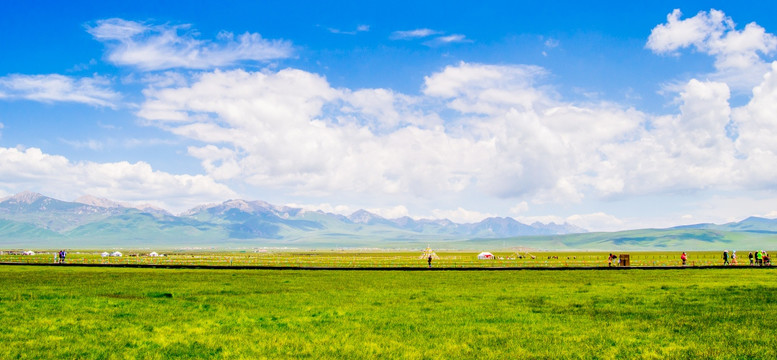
pixel 159 47
pixel 520 208
pixel 738 53
pixel 54 175
pixel 460 215
pixel 414 34
pixel 598 221
pixel 391 212
pixel 325 207
pixel 49 88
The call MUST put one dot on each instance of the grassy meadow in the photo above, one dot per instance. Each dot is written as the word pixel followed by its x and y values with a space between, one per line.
pixel 376 258
pixel 125 313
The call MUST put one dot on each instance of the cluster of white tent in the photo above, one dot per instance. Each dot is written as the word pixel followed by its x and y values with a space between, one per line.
pixel 28 252
pixel 114 254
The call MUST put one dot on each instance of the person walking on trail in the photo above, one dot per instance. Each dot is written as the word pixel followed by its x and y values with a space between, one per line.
pixel 758 258
pixel 750 256
pixel 725 257
pixel 609 259
pixel 684 257
pixel 733 257
pixel 430 261
pixel 62 255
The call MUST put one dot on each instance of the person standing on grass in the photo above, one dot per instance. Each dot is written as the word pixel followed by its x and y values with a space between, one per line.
pixel 750 256
pixel 62 256
pixel 734 257
pixel 609 260
pixel 430 261
pixel 725 257
pixel 684 257
pixel 758 258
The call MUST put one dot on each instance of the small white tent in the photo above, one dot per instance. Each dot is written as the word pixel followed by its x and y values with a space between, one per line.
pixel 153 253
pixel 485 256
pixel 105 254
pixel 116 253
pixel 28 252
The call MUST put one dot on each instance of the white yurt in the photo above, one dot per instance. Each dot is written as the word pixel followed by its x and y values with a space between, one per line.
pixel 28 252
pixel 153 253
pixel 105 254
pixel 116 253
pixel 485 256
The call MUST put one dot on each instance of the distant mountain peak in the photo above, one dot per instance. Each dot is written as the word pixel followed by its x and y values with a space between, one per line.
pixel 98 202
pixel 25 197
pixel 362 216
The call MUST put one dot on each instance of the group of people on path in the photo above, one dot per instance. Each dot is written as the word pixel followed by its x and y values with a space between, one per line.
pixel 59 258
pixel 760 258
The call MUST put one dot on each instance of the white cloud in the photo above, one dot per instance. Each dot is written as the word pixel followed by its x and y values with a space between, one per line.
pixel 520 208
pixel 598 221
pixel 503 135
pixel 390 213
pixel 738 53
pixel 31 169
pixel 447 39
pixel 460 215
pixel 360 28
pixel 159 47
pixel 90 144
pixel 48 88
pixel 414 34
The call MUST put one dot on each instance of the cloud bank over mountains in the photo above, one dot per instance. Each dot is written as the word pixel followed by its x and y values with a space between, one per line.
pixel 474 130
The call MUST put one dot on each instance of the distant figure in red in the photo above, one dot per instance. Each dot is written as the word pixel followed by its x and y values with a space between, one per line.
pixel 609 259
pixel 684 258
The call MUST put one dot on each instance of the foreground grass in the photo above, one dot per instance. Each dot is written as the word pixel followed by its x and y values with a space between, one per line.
pixel 84 313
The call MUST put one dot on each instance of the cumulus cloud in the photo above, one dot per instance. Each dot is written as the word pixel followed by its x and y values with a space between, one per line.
pixel 492 131
pixel 159 47
pixel 94 91
pixel 32 169
pixel 738 53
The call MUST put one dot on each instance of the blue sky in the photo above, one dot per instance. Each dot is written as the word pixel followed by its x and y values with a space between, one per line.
pixel 606 115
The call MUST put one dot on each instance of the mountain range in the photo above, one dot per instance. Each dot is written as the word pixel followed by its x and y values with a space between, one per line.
pixel 30 219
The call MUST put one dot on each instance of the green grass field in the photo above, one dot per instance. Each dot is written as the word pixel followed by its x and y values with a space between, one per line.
pixel 379 258
pixel 118 313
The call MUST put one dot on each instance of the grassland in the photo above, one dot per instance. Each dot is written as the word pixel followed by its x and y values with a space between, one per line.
pixel 379 258
pixel 119 313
